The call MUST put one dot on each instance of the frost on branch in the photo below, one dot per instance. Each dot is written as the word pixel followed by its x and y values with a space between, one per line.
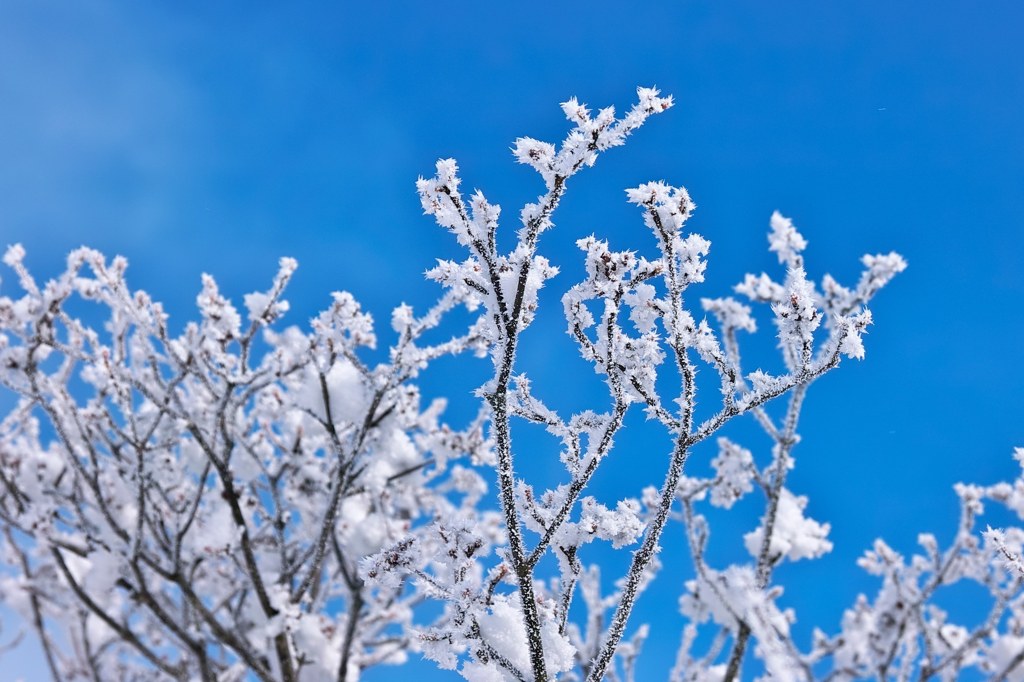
pixel 592 134
pixel 904 629
pixel 627 317
pixel 784 532
pixel 797 317
pixel 732 599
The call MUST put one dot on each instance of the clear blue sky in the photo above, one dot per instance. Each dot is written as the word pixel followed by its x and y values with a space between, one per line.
pixel 216 137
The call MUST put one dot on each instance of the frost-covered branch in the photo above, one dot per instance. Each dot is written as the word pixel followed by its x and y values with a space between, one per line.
pixel 627 317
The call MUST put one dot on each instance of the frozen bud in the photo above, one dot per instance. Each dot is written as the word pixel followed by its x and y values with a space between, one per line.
pixel 534 153
pixel 649 194
pixel 651 102
pixel 287 266
pixel 785 241
pixel 15 254
pixel 576 112
pixel 440 198
pixel 852 328
pixel 605 267
pixel 401 318
pixel 667 207
pixel 485 215
pixel 447 173
pixel 220 319
pixel 796 316
pixel 692 251
pixel 881 268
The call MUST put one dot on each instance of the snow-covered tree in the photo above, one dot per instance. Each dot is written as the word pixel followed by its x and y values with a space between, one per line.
pixel 195 506
pixel 241 500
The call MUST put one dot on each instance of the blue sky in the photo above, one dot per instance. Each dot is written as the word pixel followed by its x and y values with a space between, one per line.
pixel 214 137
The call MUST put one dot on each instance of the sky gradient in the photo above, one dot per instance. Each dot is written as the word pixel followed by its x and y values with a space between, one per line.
pixel 215 137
